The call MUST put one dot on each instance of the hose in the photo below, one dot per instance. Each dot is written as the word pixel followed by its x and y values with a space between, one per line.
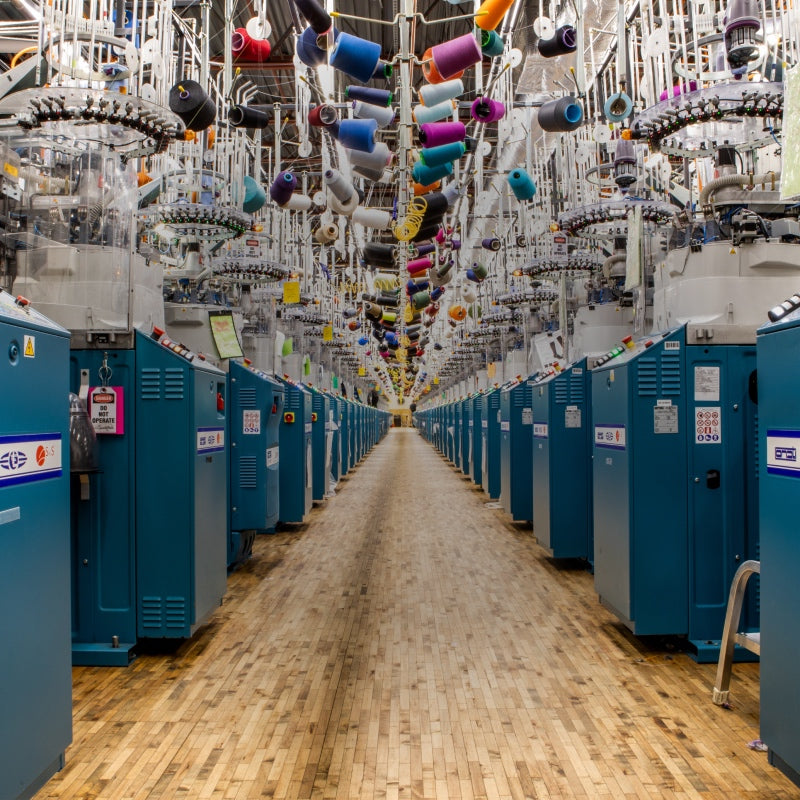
pixel 737 180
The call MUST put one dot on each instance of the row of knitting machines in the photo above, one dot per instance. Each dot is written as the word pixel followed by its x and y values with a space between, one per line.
pixel 665 460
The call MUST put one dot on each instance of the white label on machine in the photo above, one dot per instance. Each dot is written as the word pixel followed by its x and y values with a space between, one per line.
pixel 309 427
pixel 611 436
pixel 251 422
pixel 272 456
pixel 29 457
pixel 665 417
pixel 706 384
pixel 783 453
pixel 484 423
pixel 210 440
pixel 29 346
pixel 540 430
pixel 572 417
pixel 708 425
pixel 672 345
pixel 470 423
pixel 527 416
pixel 577 370
pixel 505 425
pixel 106 409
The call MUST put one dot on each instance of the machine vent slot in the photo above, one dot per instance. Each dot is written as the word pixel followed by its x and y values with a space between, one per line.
pixel 576 388
pixel 756 453
pixel 173 383
pixel 648 377
pixel 670 374
pixel 247 472
pixel 150 383
pixel 175 611
pixel 560 391
pixel 293 401
pixel 519 398
pixel 247 397
pixel 151 612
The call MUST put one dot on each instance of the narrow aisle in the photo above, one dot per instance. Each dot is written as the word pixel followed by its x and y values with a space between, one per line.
pixel 409 642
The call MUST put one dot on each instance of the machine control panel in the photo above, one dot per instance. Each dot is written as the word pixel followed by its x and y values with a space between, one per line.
pixel 179 349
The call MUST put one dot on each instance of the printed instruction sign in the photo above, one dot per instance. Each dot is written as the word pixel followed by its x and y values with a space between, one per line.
pixel 572 417
pixel 706 384
pixel 107 409
pixel 665 418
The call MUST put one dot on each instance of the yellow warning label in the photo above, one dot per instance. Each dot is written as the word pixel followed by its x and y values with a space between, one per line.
pixel 327 333
pixel 29 350
pixel 291 292
pixel 10 169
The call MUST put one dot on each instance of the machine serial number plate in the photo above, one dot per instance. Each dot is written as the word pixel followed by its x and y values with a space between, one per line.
pixel 665 419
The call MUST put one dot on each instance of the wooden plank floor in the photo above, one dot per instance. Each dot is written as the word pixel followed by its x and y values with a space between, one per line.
pixel 409 642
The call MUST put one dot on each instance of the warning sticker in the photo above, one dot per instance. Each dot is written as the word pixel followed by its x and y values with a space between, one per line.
pixel 572 417
pixel 708 425
pixel 706 384
pixel 540 430
pixel 251 422
pixel 29 347
pixel 665 419
pixel 611 436
pixel 527 416
pixel 505 425
pixel 106 409
pixel 272 457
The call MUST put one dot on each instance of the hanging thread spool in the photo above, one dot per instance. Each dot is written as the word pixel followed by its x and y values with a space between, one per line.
pixel 244 117
pixel 308 49
pixel 429 71
pixel 445 153
pixel 380 255
pixel 418 266
pixel 358 134
pixel 428 175
pixel 451 193
pixel 298 202
pixel 560 115
pixel 372 217
pixel 254 195
pixel 371 165
pixel 521 184
pixel 282 187
pixel 491 13
pixel 453 57
pixel 478 272
pixel 424 249
pixel 343 198
pixel 435 93
pixel 356 57
pixel 420 300
pixel 245 48
pixel 368 94
pixel 484 110
pixel 423 114
pixel 564 41
pixel 435 295
pixel 407 228
pixel 420 190
pixel 491 243
pixel 327 233
pixel 383 116
pixel 492 44
pixel 434 134
pixel 192 104
pixel 618 107
pixel 318 18
pixel 323 116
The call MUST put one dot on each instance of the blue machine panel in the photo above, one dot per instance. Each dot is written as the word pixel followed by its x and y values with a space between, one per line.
pixel 639 486
pixel 296 451
pixel 562 462
pixel 256 411
pixel 344 435
pixel 463 445
pixel 490 446
pixel 336 437
pixel 476 437
pixel 320 427
pixel 35 668
pixel 723 488
pixel 516 442
pixel 779 480
pixel 181 490
pixel 103 506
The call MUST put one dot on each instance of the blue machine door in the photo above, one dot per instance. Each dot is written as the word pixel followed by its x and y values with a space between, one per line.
pixel 723 489
pixel 612 500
